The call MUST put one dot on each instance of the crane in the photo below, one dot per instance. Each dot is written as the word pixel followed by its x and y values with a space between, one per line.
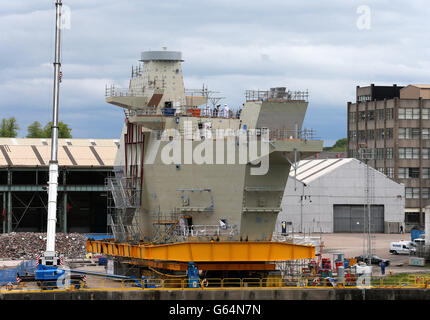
pixel 49 261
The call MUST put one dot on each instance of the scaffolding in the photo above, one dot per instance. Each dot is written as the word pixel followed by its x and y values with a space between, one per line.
pixel 165 226
pixel 123 204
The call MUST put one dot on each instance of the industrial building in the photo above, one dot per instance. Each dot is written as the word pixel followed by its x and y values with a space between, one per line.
pixel 330 195
pixel 84 164
pixel 391 125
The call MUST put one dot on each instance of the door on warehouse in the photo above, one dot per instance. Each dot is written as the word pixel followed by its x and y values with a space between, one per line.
pixel 353 218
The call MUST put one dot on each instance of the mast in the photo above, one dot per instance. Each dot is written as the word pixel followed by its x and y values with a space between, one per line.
pixel 53 163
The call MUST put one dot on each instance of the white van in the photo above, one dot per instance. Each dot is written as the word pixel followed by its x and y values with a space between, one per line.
pixel 419 241
pixel 402 247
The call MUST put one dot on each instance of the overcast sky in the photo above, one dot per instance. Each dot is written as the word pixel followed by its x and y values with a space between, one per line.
pixel 327 47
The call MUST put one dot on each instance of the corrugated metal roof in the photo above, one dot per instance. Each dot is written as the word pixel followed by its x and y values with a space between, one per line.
pixel 22 152
pixel 309 170
pixel 421 86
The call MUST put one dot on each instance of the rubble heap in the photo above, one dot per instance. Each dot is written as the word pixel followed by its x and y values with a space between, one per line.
pixel 27 245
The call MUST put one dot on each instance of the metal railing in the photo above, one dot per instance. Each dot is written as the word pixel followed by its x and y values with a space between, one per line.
pixel 276 93
pixel 182 283
pixel 209 133
pixel 206 231
pixel 113 91
pixel 149 111
pixel 297 239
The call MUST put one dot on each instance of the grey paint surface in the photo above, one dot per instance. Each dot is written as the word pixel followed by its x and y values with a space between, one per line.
pixel 252 212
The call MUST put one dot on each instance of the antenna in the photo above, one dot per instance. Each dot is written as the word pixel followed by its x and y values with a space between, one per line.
pixel 366 155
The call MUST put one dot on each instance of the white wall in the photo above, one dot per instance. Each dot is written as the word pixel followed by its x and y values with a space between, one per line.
pixel 343 185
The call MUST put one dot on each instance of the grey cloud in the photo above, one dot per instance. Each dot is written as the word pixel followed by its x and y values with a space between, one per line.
pixel 229 45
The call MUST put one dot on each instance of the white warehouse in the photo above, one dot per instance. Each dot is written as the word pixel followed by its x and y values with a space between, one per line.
pixel 330 195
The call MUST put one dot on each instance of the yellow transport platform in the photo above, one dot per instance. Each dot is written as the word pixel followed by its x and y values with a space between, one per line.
pixel 251 253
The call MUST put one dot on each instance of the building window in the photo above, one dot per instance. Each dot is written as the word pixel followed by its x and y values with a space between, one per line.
pixel 402 113
pixel 409 153
pixel 414 172
pixel 426 174
pixel 380 169
pixel 361 135
pixel 389 172
pixel 389 133
pixel 364 98
pixel 389 115
pixel 389 153
pixel 370 115
pixel 408 173
pixel 402 173
pixel 403 133
pixel 415 133
pixel 426 133
pixel 370 134
pixel 426 153
pixel 412 217
pixel 409 113
pixel 412 193
pixel 426 193
pixel 352 153
pixel 409 133
pixel 380 114
pixel 353 135
pixel 362 116
pixel 379 153
pixel 352 117
pixel 425 114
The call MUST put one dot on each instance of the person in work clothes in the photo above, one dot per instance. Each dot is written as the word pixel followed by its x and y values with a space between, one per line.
pixel 383 267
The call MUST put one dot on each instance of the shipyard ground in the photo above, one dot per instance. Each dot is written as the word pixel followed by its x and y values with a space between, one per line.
pixel 349 244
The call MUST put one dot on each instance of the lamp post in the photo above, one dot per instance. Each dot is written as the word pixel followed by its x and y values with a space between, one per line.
pixel 301 205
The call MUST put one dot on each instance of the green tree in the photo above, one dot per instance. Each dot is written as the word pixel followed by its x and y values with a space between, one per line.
pixel 340 146
pixel 35 130
pixel 63 130
pixel 9 128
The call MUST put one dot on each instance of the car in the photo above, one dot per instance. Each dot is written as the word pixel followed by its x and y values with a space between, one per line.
pixel 374 259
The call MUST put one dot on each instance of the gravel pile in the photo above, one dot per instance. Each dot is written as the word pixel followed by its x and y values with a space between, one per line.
pixel 27 245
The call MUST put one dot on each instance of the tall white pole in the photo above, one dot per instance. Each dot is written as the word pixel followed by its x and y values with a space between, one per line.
pixel 53 163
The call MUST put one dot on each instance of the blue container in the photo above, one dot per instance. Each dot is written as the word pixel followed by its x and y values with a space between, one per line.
pixel 345 263
pixel 7 275
pixel 415 234
pixel 26 268
pixel 99 236
pixel 102 261
pixel 169 111
pixel 149 282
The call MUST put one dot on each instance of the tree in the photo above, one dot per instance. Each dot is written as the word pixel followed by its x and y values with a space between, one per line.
pixel 63 130
pixel 341 145
pixel 9 128
pixel 35 130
